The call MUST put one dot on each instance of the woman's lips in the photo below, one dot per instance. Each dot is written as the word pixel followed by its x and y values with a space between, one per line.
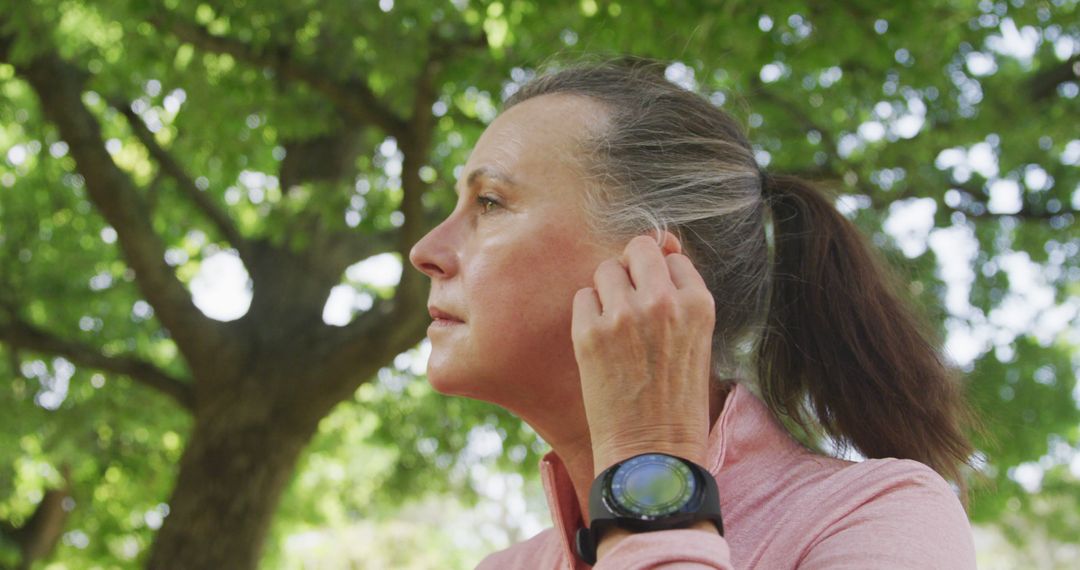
pixel 445 323
pixel 438 314
pixel 440 323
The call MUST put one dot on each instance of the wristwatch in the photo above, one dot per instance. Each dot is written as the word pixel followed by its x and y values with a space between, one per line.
pixel 647 492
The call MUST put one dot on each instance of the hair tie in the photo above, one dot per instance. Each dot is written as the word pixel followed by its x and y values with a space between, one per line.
pixel 766 183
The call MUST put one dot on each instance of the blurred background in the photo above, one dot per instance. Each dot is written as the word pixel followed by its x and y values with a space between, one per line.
pixel 207 337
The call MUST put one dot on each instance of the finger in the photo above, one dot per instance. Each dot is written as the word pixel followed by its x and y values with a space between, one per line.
pixel 683 273
pixel 612 284
pixel 645 262
pixel 586 308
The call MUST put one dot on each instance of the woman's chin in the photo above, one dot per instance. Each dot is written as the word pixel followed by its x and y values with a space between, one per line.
pixel 459 387
pixel 446 385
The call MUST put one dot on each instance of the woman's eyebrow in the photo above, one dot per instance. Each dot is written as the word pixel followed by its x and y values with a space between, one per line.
pixel 486 172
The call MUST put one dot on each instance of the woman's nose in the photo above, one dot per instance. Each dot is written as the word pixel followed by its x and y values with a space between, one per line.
pixel 433 255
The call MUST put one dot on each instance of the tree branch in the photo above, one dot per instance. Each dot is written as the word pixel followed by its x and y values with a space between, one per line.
pixel 170 166
pixel 835 168
pixel 973 208
pixel 354 353
pixel 25 336
pixel 760 91
pixel 58 86
pixel 347 248
pixel 412 291
pixel 1043 84
pixel 328 157
pixel 38 536
pixel 352 96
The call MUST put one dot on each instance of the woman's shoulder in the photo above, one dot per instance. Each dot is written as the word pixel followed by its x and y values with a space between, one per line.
pixel 835 513
pixel 892 504
pixel 892 475
pixel 891 492
pixel 842 485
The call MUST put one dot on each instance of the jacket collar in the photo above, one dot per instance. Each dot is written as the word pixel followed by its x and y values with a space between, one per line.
pixel 744 431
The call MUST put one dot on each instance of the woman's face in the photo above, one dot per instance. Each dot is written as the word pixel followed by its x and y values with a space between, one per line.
pixel 509 271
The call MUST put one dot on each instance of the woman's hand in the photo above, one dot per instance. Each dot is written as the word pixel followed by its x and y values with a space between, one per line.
pixel 642 338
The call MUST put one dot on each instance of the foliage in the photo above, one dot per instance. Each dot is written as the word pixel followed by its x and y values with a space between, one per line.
pixel 955 105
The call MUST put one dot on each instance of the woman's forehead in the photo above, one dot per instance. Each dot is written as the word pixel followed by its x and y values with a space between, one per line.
pixel 534 137
pixel 551 117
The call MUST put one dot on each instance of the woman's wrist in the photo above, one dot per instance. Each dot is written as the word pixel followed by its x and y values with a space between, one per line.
pixel 605 458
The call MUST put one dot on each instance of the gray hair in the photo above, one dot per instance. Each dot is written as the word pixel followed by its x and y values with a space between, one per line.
pixel 669 160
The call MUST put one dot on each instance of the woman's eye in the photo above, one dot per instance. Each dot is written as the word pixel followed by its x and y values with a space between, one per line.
pixel 484 201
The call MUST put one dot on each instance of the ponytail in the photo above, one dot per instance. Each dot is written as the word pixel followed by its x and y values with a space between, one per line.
pixel 842 343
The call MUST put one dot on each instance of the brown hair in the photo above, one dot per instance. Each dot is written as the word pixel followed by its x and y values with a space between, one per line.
pixel 824 324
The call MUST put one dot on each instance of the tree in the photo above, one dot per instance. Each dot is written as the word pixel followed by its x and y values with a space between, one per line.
pixel 144 136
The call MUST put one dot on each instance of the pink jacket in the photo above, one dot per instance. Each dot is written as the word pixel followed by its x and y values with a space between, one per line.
pixel 783 506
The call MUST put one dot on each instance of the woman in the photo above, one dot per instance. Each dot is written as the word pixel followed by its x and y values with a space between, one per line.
pixel 604 270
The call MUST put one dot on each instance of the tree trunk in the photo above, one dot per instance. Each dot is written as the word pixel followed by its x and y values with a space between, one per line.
pixel 231 479
pixel 258 385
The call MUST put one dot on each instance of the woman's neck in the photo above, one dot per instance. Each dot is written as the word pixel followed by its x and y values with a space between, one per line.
pixel 569 438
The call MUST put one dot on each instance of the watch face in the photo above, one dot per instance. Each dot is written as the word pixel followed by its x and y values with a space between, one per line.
pixel 652 485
